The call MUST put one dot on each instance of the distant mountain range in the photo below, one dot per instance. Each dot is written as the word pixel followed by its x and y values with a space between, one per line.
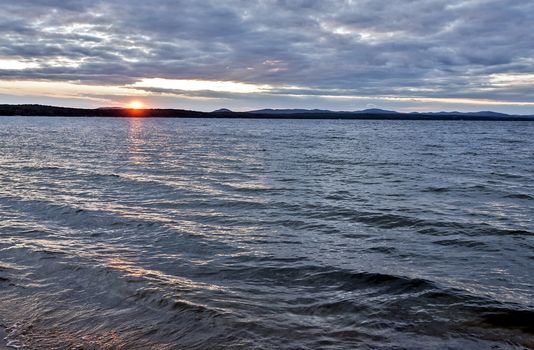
pixel 373 114
pixel 369 111
pixel 481 113
pixel 319 111
pixel 289 111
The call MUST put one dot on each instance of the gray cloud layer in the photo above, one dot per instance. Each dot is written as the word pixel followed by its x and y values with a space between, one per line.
pixel 427 48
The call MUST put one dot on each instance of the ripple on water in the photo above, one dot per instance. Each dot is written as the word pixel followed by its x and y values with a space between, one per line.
pixel 238 234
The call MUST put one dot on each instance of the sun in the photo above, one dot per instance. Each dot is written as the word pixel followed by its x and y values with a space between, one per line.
pixel 135 105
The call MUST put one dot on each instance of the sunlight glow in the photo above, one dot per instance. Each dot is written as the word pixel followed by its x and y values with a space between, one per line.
pixel 135 105
pixel 417 99
pixel 11 64
pixel 101 93
pixel 200 85
pixel 508 80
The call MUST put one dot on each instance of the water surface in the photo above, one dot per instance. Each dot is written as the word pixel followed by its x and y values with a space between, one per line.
pixel 266 234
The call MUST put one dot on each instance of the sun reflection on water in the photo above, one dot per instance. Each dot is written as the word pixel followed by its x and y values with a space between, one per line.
pixel 132 270
pixel 136 142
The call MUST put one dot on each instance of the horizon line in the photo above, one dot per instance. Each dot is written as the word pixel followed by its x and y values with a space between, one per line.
pixel 276 111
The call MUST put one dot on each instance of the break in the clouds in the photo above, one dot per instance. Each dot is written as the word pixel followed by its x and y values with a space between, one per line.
pixel 403 54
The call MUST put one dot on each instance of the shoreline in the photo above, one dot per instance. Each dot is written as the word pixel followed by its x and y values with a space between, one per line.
pixel 32 110
pixel 3 342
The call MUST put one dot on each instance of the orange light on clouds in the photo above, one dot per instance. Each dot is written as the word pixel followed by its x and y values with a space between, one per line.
pixel 135 105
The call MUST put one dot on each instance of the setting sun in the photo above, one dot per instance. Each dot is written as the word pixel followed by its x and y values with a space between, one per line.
pixel 135 105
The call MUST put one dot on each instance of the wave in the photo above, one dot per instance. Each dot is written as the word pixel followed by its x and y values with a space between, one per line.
pixel 520 196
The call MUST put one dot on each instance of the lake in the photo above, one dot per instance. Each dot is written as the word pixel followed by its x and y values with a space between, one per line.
pixel 266 234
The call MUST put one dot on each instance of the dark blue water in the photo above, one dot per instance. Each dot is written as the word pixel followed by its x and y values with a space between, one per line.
pixel 261 234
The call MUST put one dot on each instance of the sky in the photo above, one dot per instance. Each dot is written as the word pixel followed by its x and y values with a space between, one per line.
pixel 406 55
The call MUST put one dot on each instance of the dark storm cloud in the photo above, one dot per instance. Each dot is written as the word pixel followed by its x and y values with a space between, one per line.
pixel 433 48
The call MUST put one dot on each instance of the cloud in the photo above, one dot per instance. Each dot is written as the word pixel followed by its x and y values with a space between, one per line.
pixel 403 48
